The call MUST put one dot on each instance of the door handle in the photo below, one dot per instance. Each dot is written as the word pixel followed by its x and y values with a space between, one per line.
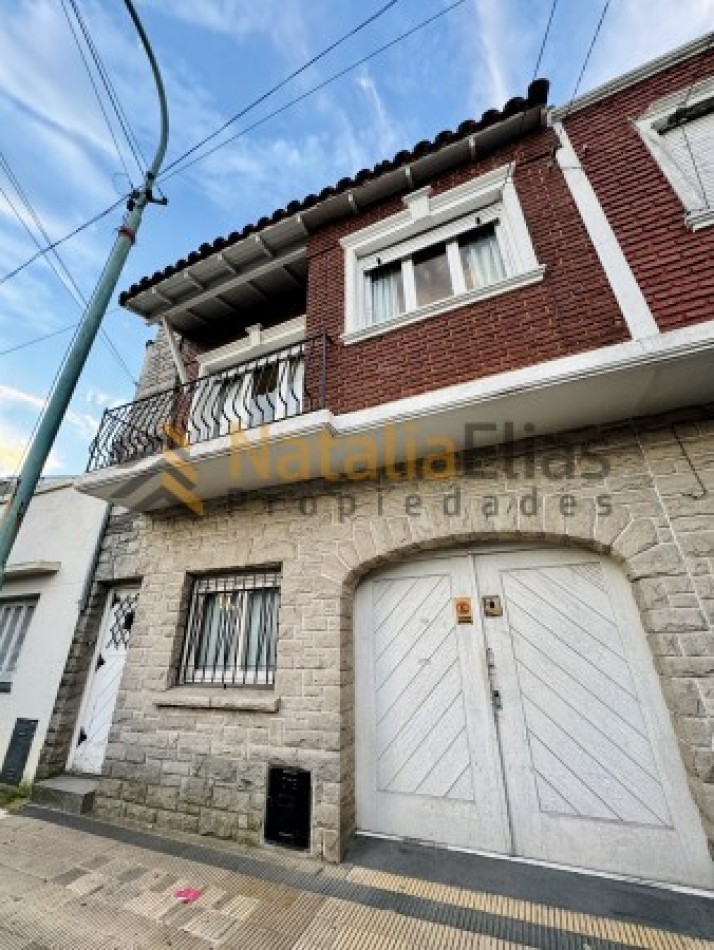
pixel 496 698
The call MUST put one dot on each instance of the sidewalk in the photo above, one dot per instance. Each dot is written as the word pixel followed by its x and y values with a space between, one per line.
pixel 75 883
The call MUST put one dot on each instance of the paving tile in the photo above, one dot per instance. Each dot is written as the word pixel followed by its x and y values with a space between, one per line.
pixel 88 883
pixel 212 926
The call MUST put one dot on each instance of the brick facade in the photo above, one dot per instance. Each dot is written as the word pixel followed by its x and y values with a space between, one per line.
pixel 671 263
pixel 571 310
pixel 204 770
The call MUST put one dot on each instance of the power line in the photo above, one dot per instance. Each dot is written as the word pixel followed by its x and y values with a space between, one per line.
pixel 593 41
pixel 49 247
pixel 104 76
pixel 38 339
pixel 283 82
pixel 76 292
pixel 98 97
pixel 536 68
pixel 314 89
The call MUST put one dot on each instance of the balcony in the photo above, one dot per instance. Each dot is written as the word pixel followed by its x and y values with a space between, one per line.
pixel 279 385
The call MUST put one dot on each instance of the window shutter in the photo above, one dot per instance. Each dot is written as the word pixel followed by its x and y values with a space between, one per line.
pixel 694 138
pixel 15 616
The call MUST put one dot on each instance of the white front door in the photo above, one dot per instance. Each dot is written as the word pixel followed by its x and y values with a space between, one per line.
pixel 427 755
pixel 565 710
pixel 97 709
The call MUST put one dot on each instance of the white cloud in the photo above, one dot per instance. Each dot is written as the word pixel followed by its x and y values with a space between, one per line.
pixel 635 32
pixel 84 423
pixel 387 130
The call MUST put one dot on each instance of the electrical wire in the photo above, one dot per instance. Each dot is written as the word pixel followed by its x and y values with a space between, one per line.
pixel 49 247
pixel 536 69
pixel 311 91
pixel 283 82
pixel 53 258
pixel 593 41
pixel 112 94
pixel 37 339
pixel 95 88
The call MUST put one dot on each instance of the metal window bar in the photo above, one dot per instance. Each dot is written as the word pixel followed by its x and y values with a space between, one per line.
pixel 284 383
pixel 232 632
pixel 15 617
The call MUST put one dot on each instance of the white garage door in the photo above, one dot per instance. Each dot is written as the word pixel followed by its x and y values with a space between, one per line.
pixel 537 730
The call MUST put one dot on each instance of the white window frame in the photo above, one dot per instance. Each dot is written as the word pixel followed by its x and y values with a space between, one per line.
pixel 428 220
pixel 695 215
pixel 12 648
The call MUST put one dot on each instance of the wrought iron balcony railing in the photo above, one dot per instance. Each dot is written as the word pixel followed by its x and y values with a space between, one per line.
pixel 278 385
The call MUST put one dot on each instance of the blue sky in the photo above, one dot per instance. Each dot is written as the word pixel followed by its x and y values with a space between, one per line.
pixel 216 56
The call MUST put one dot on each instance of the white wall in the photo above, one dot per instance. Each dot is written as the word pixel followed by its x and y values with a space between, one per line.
pixel 62 526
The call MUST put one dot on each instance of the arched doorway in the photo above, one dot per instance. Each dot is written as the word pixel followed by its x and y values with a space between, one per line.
pixel 507 702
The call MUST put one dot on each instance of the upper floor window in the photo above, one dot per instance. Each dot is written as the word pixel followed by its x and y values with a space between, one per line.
pixel 232 632
pixel 15 617
pixel 679 132
pixel 434 274
pixel 442 252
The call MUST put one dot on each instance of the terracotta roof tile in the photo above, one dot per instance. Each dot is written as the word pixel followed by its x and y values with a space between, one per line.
pixel 537 96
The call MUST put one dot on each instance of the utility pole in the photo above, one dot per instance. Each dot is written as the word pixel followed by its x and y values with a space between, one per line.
pixel 54 412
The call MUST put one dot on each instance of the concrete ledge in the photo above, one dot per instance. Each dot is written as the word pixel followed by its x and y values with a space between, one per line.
pixel 238 699
pixel 73 794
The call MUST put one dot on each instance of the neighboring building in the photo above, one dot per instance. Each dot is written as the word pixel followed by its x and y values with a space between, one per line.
pixel 46 582
pixel 421 468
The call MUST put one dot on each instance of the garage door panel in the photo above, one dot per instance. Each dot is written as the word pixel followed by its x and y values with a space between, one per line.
pixel 600 777
pixel 425 743
pixel 589 635
pixel 437 762
pixel 402 601
pixel 553 771
pixel 400 735
pixel 628 735
pixel 546 713
pixel 585 661
pixel 584 604
pixel 418 644
pixel 402 694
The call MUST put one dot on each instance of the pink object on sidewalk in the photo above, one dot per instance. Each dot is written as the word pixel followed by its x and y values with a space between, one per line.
pixel 188 894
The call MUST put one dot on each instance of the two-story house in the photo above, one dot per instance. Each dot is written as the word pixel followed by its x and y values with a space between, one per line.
pixel 423 466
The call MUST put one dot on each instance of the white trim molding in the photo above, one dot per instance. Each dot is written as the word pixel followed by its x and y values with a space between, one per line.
pixel 628 294
pixel 654 66
pixel 256 342
pixel 697 214
pixel 427 220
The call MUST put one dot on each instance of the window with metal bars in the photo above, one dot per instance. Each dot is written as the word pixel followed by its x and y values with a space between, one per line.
pixel 232 632
pixel 15 617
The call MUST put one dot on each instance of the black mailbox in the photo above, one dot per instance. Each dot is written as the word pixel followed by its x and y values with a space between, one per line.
pixel 287 812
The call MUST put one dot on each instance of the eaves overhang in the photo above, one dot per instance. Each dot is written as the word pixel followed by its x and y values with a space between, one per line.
pixel 188 292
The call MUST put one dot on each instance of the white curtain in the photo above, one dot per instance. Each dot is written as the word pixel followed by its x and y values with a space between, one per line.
pixel 260 630
pixel 483 261
pixel 386 284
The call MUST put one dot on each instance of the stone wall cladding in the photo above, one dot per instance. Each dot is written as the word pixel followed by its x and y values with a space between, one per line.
pixel 204 770
pixel 570 311
pixel 671 263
